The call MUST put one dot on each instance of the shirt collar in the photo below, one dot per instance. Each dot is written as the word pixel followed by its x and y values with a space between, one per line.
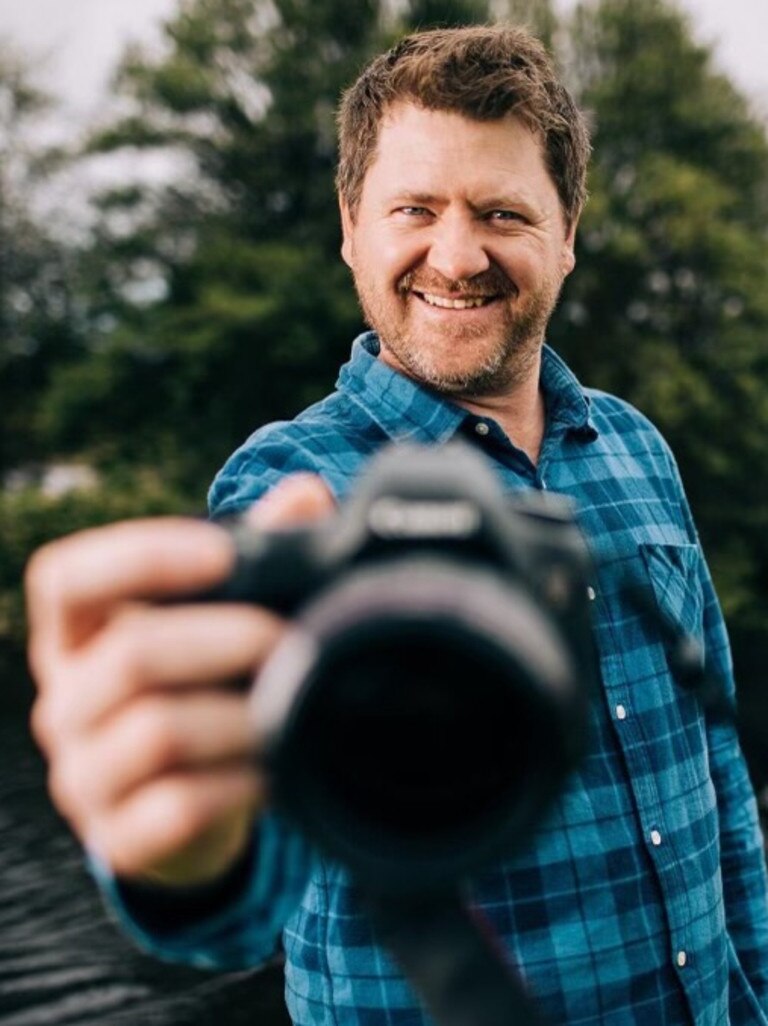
pixel 567 402
pixel 404 409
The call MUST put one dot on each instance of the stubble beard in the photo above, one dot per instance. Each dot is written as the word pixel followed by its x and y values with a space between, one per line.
pixel 497 370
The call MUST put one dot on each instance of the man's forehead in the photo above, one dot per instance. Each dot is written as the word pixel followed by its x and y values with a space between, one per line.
pixel 417 134
pixel 422 152
pixel 401 112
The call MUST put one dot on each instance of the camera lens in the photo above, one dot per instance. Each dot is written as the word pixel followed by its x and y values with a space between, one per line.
pixel 427 729
pixel 417 731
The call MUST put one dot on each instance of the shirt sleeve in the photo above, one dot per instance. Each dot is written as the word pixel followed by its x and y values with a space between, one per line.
pixel 262 462
pixel 241 934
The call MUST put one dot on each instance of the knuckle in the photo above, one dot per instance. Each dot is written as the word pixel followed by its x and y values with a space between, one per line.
pixel 40 724
pixel 38 658
pixel 46 577
pixel 42 575
pixel 154 731
pixel 64 787
pixel 47 722
pixel 122 648
pixel 181 812
pixel 116 658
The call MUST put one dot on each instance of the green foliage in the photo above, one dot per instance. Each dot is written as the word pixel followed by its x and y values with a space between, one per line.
pixel 668 305
pixel 37 327
pixel 254 333
pixel 29 519
pixel 425 14
pixel 255 313
pixel 218 301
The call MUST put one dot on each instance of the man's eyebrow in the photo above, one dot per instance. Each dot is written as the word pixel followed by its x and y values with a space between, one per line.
pixel 416 199
pixel 502 202
pixel 494 202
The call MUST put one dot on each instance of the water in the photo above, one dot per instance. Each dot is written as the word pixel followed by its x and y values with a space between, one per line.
pixel 61 960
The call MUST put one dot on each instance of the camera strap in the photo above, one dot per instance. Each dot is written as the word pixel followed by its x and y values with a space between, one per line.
pixel 453 960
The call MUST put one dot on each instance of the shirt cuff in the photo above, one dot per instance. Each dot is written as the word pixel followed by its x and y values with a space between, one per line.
pixel 233 923
pixel 167 910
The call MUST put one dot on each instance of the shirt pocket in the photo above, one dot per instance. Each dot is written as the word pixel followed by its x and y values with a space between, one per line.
pixel 675 710
pixel 672 571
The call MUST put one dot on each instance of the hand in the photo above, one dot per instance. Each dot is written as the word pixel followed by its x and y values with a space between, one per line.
pixel 148 741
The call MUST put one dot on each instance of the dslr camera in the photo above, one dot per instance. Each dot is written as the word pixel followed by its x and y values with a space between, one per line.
pixel 432 693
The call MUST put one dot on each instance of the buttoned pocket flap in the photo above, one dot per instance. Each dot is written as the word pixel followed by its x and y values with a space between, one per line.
pixel 674 580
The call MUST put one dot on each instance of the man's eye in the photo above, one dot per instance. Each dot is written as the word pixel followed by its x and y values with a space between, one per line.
pixel 504 215
pixel 414 211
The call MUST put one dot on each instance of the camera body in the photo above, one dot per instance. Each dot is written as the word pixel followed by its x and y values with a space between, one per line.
pixel 431 695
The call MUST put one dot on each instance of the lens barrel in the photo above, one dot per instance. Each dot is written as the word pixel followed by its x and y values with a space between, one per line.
pixel 418 719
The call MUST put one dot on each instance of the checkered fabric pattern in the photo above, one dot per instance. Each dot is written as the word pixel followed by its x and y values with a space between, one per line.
pixel 643 898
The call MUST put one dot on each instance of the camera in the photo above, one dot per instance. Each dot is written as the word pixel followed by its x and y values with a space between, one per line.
pixel 432 693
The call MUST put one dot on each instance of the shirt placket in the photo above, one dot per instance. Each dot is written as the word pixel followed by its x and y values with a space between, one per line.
pixel 654 816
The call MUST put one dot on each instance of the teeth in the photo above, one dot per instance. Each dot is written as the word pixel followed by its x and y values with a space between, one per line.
pixel 454 304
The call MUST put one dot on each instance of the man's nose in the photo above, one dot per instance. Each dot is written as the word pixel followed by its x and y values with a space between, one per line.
pixel 457 250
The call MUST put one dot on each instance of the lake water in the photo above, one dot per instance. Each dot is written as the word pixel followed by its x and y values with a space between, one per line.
pixel 61 960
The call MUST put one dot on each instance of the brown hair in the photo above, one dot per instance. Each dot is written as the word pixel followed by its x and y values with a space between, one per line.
pixel 481 72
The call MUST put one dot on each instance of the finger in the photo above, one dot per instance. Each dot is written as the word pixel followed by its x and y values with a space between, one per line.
pixel 295 500
pixel 172 815
pixel 149 739
pixel 73 584
pixel 145 649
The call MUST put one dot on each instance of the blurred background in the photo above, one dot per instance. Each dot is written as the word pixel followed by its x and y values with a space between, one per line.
pixel 169 280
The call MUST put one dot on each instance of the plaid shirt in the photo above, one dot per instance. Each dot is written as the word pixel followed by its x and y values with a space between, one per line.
pixel 642 900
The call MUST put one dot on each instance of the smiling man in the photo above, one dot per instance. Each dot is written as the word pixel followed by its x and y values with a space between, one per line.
pixel 643 897
pixel 459 246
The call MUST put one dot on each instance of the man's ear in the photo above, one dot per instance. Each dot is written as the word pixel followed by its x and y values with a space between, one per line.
pixel 346 232
pixel 569 257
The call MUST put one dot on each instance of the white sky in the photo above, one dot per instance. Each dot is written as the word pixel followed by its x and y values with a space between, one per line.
pixel 77 42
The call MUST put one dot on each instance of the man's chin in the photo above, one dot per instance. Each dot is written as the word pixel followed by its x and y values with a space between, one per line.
pixel 476 387
pixel 454 380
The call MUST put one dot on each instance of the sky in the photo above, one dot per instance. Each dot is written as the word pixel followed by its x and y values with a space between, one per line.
pixel 76 43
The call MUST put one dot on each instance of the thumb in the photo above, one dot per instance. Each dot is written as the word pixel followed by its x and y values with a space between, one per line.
pixel 294 500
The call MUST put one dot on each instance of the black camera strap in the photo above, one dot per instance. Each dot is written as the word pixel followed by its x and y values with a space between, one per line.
pixel 453 960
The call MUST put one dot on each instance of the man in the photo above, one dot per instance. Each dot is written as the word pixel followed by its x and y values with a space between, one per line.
pixel 643 898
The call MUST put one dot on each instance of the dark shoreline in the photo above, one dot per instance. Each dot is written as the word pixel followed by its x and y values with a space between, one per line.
pixel 61 959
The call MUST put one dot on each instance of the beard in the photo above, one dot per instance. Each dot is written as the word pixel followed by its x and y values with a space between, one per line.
pixel 469 360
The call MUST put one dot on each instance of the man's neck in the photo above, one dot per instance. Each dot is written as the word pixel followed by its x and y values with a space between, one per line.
pixel 521 413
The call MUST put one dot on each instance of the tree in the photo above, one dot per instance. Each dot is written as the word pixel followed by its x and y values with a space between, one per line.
pixel 256 310
pixel 226 304
pixel 668 306
pixel 37 316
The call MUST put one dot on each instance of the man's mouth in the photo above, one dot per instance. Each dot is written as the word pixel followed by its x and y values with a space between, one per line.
pixel 462 303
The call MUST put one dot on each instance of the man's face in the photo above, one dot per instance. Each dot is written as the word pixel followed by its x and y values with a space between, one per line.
pixel 459 248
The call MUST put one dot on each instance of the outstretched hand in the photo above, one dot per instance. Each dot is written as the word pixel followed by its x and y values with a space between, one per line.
pixel 138 712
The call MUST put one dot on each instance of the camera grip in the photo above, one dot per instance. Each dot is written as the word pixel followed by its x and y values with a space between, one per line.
pixel 276 569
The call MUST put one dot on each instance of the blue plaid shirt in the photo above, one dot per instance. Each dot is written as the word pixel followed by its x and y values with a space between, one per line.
pixel 643 898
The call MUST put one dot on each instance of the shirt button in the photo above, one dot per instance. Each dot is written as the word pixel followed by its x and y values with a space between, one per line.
pixel 481 428
pixel 591 593
pixel 621 712
pixel 655 838
pixel 681 959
